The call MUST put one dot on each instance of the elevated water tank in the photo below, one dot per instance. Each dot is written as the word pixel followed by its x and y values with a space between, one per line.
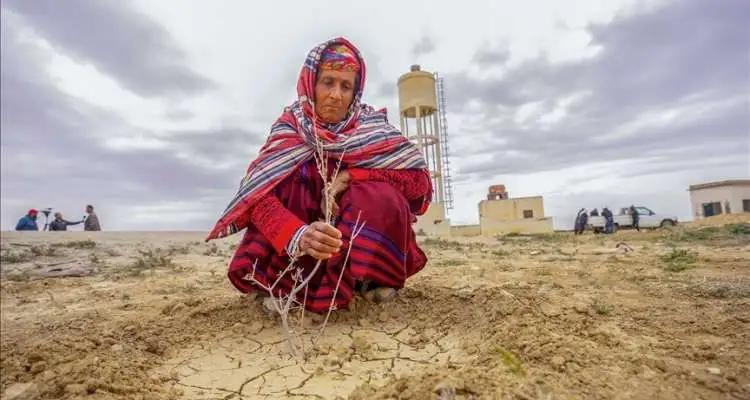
pixel 416 89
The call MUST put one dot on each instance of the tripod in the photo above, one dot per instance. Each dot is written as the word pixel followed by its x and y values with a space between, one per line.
pixel 46 213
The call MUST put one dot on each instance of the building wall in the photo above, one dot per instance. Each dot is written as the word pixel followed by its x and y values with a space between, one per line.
pixel 511 209
pixel 722 194
pixel 507 216
pixel 492 227
pixel 433 222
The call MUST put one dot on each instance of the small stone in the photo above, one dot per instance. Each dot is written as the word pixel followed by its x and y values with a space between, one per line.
pixel 178 308
pixel 76 389
pixel 156 346
pixel 332 360
pixel 21 391
pixel 581 308
pixel 558 361
pixel 550 310
pixel 445 391
pixel 383 316
pixel 38 367
pixel 116 347
pixel 713 371
pixel 255 327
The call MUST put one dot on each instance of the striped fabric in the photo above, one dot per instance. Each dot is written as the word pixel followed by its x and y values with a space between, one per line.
pixel 364 137
pixel 384 254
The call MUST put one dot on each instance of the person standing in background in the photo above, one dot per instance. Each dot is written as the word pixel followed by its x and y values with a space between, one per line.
pixel 609 221
pixel 28 221
pixel 584 220
pixel 579 224
pixel 91 223
pixel 636 218
pixel 60 224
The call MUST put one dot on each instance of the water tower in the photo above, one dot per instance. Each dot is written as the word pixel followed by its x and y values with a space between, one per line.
pixel 422 111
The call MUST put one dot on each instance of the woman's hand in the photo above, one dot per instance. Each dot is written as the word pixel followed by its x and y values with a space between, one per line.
pixel 338 186
pixel 320 240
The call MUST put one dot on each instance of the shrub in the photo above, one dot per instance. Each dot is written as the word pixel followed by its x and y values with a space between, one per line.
pixel 679 260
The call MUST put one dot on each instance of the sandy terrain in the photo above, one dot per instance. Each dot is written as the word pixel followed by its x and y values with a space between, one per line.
pixel 152 316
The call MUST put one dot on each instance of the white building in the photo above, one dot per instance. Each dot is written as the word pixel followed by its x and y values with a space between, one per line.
pixel 723 197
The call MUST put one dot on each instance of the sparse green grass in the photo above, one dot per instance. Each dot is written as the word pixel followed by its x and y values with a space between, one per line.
pixel 511 361
pixel 12 257
pixel 149 260
pixel 679 260
pixel 42 250
pixel 731 232
pixel 77 244
pixel 451 262
pixel 721 289
pixel 500 253
pixel 17 276
pixel 94 259
pixel 213 250
pixel 112 253
pixel 739 229
pixel 544 271
pixel 176 249
pixel 602 308
pixel 443 243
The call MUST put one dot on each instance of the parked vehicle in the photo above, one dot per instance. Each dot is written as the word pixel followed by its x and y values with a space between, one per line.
pixel 623 220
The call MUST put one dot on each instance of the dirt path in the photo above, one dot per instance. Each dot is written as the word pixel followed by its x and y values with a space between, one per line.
pixel 544 317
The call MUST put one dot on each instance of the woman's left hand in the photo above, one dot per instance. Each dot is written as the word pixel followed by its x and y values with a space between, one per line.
pixel 338 186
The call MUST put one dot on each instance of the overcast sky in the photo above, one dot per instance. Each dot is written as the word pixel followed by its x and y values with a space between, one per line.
pixel 152 110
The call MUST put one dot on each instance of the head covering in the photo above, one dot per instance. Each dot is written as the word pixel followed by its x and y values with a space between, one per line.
pixel 339 57
pixel 364 138
pixel 33 211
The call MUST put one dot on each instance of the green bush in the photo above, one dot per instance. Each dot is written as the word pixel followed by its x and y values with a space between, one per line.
pixel 679 260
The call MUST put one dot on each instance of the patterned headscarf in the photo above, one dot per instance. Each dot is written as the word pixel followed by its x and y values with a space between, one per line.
pixel 364 139
pixel 339 58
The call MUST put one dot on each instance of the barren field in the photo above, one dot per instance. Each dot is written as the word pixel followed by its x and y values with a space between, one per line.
pixel 662 314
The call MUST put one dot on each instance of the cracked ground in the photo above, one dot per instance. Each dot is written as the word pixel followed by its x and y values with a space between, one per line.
pixel 151 316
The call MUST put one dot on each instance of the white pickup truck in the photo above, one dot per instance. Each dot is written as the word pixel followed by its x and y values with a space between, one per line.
pixel 647 219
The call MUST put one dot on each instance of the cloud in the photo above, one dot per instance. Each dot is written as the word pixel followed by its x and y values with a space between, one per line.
pixel 56 150
pixel 117 40
pixel 494 57
pixel 658 92
pixel 425 45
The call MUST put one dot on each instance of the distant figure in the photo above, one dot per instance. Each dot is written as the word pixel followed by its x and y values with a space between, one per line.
pixel 727 208
pixel 91 223
pixel 636 218
pixel 594 213
pixel 584 222
pixel 60 224
pixel 581 220
pixel 28 221
pixel 609 221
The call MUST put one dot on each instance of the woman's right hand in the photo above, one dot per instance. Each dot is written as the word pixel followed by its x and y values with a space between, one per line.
pixel 320 240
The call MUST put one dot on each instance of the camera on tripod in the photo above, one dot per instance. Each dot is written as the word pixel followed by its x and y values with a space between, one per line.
pixel 46 211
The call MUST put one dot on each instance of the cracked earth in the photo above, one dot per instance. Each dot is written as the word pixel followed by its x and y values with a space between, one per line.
pixel 151 316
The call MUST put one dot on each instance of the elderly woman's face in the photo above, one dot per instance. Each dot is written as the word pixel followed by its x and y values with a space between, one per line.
pixel 334 92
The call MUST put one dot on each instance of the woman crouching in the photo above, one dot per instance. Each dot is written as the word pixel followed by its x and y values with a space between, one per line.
pixel 382 180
